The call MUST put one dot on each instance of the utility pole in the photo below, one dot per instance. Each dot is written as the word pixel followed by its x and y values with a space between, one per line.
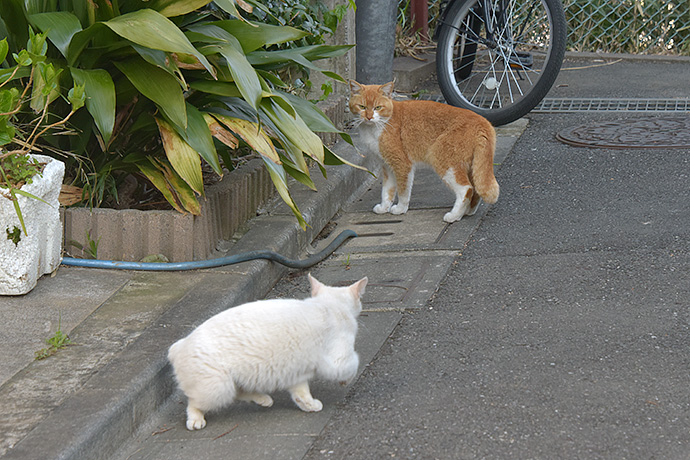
pixel 375 31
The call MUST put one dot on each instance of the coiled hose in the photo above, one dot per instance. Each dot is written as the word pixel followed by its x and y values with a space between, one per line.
pixel 212 263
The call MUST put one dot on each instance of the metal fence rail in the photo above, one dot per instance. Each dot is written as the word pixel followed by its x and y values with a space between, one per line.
pixel 617 26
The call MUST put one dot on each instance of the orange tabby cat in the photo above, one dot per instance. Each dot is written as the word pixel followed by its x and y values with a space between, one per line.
pixel 457 143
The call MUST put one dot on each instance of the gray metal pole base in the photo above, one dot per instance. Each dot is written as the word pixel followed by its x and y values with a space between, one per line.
pixel 375 31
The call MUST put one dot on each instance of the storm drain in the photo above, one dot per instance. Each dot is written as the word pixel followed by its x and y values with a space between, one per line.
pixel 567 105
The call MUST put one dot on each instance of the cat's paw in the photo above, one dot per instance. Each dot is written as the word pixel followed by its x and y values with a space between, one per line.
pixel 195 419
pixel 310 405
pixel 398 209
pixel 196 423
pixel 382 208
pixel 263 400
pixel 451 217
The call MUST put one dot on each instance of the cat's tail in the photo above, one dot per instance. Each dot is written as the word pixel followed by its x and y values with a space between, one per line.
pixel 483 177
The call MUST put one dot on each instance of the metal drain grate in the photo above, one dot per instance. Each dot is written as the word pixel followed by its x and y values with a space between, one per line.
pixel 556 105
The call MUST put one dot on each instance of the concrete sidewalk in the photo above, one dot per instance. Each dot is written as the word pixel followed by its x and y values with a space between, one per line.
pixel 87 399
pixel 405 258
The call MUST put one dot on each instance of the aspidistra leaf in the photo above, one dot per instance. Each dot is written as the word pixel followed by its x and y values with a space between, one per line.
pixel 294 129
pixel 253 36
pixel 60 26
pixel 157 85
pixel 229 7
pixel 219 88
pixel 183 158
pixel 168 182
pixel 4 48
pixel 157 178
pixel 310 113
pixel 100 98
pixel 302 55
pixel 252 134
pixel 172 8
pixel 279 179
pixel 332 159
pixel 198 136
pixel 243 74
pixel 220 133
pixel 149 28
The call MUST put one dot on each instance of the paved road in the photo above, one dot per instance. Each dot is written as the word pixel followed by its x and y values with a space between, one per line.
pixel 561 331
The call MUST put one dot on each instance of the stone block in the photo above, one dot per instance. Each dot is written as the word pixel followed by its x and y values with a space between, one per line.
pixel 37 252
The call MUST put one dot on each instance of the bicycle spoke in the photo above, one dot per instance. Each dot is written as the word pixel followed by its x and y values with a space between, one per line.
pixel 495 54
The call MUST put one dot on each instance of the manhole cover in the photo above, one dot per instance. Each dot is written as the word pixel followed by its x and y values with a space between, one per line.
pixel 635 133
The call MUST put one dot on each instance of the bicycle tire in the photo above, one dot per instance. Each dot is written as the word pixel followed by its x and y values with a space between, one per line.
pixel 501 75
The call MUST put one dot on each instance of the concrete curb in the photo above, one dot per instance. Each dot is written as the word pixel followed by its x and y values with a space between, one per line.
pixel 95 421
pixel 627 57
pixel 410 72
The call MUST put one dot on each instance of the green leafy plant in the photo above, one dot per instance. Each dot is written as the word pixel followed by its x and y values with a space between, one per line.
pixel 312 16
pixel 32 83
pixel 172 83
pixel 327 89
pixel 58 341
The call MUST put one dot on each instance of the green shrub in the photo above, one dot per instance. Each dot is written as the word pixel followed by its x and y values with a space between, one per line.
pixel 170 83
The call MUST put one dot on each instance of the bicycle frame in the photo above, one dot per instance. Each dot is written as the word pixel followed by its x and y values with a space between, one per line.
pixel 485 6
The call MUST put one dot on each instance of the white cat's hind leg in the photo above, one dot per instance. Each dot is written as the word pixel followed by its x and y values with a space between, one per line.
pixel 387 192
pixel 463 196
pixel 258 398
pixel 206 393
pixel 302 397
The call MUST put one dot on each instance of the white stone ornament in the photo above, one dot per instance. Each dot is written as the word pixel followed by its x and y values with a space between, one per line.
pixel 39 251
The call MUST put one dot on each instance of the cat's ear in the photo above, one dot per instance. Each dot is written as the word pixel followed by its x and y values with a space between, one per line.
pixel 316 285
pixel 355 88
pixel 387 89
pixel 357 289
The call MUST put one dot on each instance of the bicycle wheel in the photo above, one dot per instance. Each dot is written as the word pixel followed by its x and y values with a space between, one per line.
pixel 499 58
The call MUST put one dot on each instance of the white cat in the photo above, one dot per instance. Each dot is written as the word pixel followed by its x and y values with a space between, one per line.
pixel 254 349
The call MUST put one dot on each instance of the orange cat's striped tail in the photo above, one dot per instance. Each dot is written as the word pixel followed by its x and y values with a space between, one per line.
pixel 483 177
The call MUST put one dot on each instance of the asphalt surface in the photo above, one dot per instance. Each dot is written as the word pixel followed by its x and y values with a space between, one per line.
pixel 553 324
pixel 560 332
